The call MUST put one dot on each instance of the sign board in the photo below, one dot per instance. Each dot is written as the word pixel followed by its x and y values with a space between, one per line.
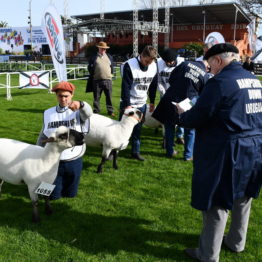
pixel 13 39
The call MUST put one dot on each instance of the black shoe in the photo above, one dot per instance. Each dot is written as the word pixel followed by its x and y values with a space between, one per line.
pixel 137 156
pixel 192 252
pixel 173 155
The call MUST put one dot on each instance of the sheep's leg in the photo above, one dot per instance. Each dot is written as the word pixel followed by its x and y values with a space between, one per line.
pixel 101 165
pixel 1 183
pixel 48 207
pixel 115 153
pixel 34 198
pixel 35 215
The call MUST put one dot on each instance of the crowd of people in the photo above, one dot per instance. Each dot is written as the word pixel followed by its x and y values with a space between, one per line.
pixel 222 130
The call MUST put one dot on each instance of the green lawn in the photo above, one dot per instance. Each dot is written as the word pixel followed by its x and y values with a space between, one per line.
pixel 140 212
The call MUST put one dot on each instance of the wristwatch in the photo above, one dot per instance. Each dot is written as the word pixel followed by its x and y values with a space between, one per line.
pixel 81 104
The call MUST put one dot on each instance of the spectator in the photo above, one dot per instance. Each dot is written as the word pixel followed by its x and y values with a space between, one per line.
pixel 100 67
pixel 248 64
pixel 227 157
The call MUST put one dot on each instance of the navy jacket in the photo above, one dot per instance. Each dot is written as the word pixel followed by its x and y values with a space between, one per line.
pixel 186 81
pixel 228 142
pixel 91 70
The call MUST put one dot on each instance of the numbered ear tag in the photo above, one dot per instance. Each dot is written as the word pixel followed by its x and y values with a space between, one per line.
pixel 45 189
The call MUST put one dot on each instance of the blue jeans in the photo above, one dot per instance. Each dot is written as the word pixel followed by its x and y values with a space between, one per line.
pixel 179 132
pixel 135 137
pixel 189 137
pixel 169 138
pixel 67 179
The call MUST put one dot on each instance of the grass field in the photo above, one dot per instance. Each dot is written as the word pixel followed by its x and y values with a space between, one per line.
pixel 139 213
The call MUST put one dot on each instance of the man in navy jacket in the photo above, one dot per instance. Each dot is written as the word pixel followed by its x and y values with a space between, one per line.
pixel 227 153
pixel 186 81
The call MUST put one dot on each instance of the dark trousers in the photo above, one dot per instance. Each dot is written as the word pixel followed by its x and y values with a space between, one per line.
pixel 98 87
pixel 67 179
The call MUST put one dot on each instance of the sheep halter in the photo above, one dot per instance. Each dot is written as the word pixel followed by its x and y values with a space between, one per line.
pixel 135 117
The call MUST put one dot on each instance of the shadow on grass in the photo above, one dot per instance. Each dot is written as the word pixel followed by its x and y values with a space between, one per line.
pixel 27 110
pixel 94 233
pixel 20 93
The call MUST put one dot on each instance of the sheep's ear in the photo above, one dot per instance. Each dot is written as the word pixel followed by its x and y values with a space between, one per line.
pixel 131 113
pixel 49 140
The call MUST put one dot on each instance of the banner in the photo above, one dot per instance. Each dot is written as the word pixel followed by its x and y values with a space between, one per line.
pixel 251 28
pixel 14 39
pixel 215 38
pixel 34 80
pixel 53 30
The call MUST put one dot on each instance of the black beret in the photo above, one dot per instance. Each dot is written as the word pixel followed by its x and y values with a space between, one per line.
pixel 169 55
pixel 219 49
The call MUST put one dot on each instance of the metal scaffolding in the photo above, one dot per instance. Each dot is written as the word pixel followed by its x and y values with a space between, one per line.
pixel 167 19
pixel 155 25
pixel 135 29
pixel 102 25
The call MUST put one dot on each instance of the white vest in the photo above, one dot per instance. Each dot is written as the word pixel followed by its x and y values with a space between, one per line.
pixel 71 119
pixel 141 82
pixel 165 71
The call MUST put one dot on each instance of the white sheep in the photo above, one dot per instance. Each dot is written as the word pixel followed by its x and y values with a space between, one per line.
pixel 22 163
pixel 111 134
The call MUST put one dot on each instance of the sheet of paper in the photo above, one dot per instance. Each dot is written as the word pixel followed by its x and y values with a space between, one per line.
pixel 185 104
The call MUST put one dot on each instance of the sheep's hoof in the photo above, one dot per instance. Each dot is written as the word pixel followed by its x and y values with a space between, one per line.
pixel 48 210
pixel 35 219
pixel 115 166
pixel 99 171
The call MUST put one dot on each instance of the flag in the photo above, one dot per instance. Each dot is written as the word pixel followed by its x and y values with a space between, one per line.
pixel 251 28
pixel 52 27
pixel 34 79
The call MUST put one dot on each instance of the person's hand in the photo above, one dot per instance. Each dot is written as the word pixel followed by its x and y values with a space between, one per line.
pixel 151 108
pixel 179 109
pixel 74 106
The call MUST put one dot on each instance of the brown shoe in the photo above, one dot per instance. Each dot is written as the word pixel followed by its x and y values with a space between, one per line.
pixel 111 114
pixel 180 141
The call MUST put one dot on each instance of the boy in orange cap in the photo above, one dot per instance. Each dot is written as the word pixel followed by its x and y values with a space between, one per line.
pixel 72 114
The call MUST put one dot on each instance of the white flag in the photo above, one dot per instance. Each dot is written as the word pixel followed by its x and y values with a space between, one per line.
pixel 53 30
pixel 251 28
pixel 34 79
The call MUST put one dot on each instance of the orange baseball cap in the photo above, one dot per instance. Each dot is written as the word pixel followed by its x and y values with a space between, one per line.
pixel 66 86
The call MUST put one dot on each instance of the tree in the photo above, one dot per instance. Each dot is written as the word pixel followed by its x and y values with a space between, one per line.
pixel 3 24
pixel 194 48
pixel 253 7
pixel 66 21
pixel 204 2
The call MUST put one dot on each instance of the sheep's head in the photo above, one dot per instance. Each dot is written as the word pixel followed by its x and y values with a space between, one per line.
pixel 134 113
pixel 66 137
